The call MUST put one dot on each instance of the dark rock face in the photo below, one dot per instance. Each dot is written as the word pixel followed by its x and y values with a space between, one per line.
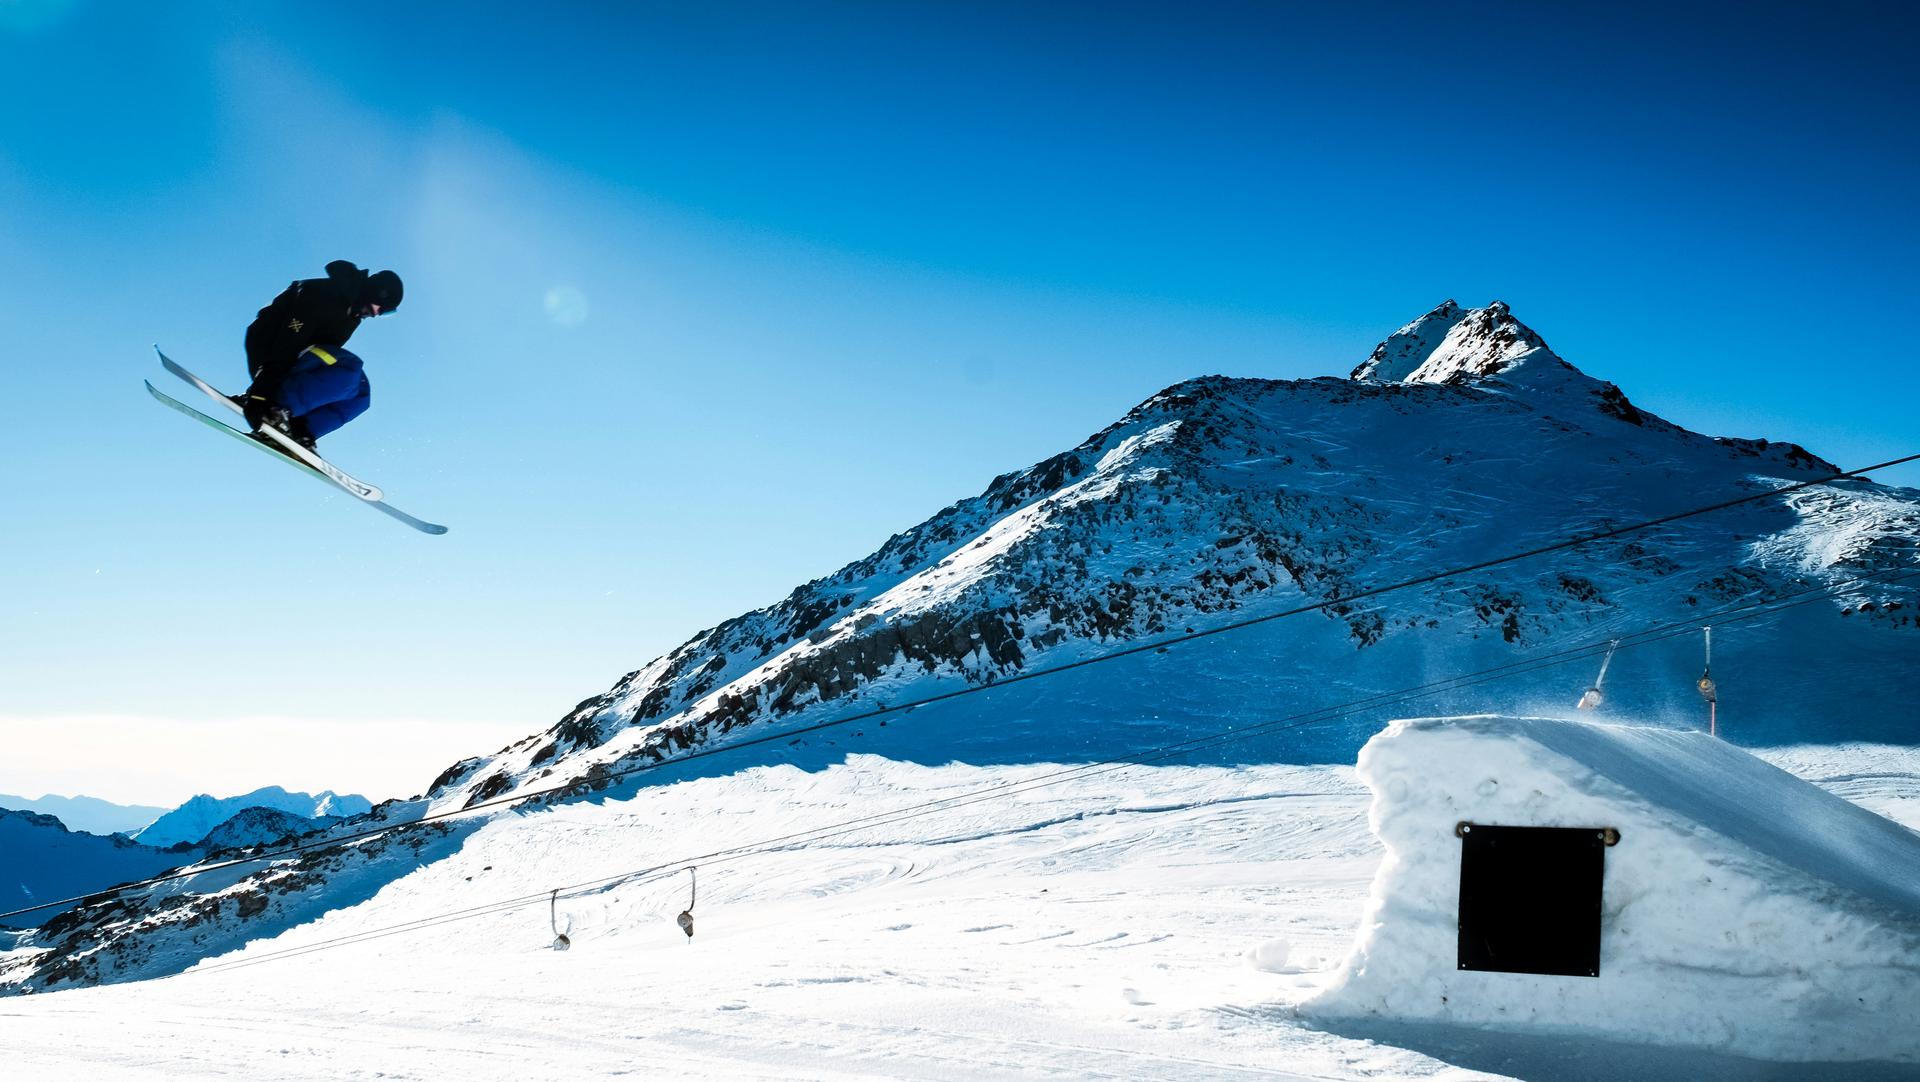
pixel 1613 403
pixel 1792 454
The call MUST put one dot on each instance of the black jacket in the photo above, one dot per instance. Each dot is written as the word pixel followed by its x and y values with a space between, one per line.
pixel 310 312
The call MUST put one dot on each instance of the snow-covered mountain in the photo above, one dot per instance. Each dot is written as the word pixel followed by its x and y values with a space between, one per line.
pixel 1462 437
pixel 191 821
pixel 86 813
pixel 40 860
pixel 1218 500
pixel 261 826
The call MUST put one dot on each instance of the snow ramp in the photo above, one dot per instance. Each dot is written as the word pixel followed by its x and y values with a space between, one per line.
pixel 1742 910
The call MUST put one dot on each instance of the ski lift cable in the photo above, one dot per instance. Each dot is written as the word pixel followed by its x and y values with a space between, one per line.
pixel 642 876
pixel 1217 739
pixel 368 936
pixel 580 785
pixel 1004 789
pixel 1745 611
pixel 1817 591
pixel 1222 737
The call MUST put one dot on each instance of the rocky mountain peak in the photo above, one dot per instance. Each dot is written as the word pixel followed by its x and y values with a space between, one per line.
pixel 1216 502
pixel 1456 345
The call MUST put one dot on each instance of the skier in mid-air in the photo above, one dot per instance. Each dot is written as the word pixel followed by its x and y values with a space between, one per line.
pixel 304 383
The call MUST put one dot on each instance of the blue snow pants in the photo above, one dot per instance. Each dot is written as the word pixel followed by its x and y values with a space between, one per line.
pixel 326 387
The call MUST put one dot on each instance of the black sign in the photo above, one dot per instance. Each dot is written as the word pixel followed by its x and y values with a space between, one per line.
pixel 1530 898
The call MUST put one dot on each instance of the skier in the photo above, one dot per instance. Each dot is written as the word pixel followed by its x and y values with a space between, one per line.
pixel 304 383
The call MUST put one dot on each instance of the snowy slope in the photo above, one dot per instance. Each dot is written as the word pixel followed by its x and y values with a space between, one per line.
pixel 192 820
pixel 90 814
pixel 1212 502
pixel 1154 922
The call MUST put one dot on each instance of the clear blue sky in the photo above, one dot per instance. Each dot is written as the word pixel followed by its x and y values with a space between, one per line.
pixel 816 271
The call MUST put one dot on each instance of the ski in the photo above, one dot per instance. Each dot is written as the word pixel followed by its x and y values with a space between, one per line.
pixel 246 438
pixel 313 461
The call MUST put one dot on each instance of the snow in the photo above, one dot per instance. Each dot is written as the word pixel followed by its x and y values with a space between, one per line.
pixel 1193 920
pixel 1744 909
pixel 1146 922
pixel 1451 344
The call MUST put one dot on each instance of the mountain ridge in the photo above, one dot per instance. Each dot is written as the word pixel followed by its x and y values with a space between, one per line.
pixel 1215 501
pixel 844 631
pixel 92 815
pixel 195 817
pixel 44 860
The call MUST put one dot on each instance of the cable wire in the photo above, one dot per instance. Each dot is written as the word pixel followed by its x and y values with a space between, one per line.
pixel 799 839
pixel 1030 674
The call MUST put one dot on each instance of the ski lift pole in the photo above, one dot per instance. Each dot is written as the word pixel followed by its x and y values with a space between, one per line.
pixel 1707 689
pixel 1593 696
pixel 685 919
pixel 560 940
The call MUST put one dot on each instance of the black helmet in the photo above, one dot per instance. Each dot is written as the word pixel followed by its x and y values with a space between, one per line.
pixel 383 289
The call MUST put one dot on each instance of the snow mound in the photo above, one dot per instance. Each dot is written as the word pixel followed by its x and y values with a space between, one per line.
pixel 1744 910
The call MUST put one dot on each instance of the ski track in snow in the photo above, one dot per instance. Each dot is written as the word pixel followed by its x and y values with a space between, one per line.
pixel 1158 922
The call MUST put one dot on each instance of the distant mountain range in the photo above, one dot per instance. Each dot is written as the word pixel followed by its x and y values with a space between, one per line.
pixel 41 859
pixel 86 813
pixel 193 820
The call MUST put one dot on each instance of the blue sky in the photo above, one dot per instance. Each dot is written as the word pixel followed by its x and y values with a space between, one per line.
pixel 706 300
